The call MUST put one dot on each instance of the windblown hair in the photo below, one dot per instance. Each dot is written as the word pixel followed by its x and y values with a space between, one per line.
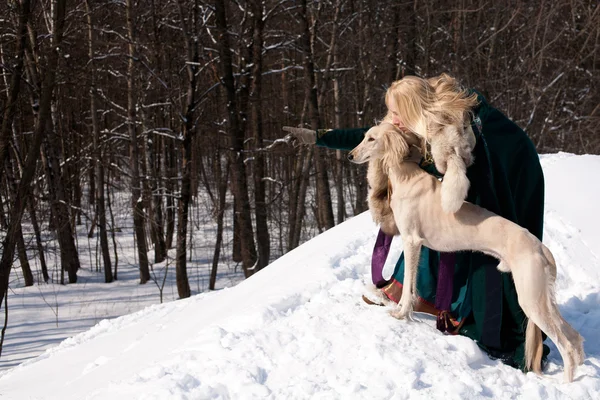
pixel 427 104
pixel 438 109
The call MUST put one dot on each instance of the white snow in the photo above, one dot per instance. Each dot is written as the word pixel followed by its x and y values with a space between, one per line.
pixel 299 330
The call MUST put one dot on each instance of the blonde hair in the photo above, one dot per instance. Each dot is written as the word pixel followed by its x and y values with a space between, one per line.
pixel 426 104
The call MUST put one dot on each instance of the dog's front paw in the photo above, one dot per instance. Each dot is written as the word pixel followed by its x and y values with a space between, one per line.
pixel 403 312
pixel 397 313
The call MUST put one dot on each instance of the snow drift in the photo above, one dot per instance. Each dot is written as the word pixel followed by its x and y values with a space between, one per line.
pixel 299 329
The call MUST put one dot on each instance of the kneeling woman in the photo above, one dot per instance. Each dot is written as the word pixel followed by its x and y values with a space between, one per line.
pixel 464 290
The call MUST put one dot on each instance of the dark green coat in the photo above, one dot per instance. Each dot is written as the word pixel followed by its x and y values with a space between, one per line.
pixel 507 179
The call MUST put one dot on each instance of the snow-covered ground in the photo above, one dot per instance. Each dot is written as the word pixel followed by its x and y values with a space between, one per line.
pixel 299 329
pixel 44 315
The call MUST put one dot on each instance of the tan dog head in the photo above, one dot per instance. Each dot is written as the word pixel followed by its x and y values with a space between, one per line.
pixel 387 143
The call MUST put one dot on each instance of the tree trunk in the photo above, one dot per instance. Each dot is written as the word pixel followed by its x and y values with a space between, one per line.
pixel 324 206
pixel 303 168
pixel 136 190
pixel 223 177
pixel 38 238
pixel 21 250
pixel 410 38
pixel 113 227
pixel 171 161
pixel 98 161
pixel 74 179
pixel 339 166
pixel 183 285
pixel 236 249
pixel 263 239
pixel 144 159
pixel 25 267
pixel 61 216
pixel 159 216
pixel 15 81
pixel 394 59
pixel 57 173
pixel 293 198
pixel 29 164
pixel 188 131
pixel 457 35
pixel 157 160
pixel 92 182
pixel 160 246
pixel 239 184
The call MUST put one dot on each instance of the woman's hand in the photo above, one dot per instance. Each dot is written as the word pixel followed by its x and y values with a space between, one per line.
pixel 300 135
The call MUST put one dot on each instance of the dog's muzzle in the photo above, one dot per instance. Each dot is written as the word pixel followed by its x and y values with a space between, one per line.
pixel 350 156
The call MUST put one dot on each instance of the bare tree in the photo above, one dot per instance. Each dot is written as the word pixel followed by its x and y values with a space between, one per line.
pixel 21 248
pixel 61 216
pixel 239 182
pixel 263 239
pixel 222 175
pixel 188 128
pixel 324 206
pixel 134 162
pixel 23 12
pixel 38 238
pixel 29 165
pixel 98 161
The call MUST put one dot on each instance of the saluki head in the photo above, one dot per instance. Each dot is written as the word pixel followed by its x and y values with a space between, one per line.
pixel 384 142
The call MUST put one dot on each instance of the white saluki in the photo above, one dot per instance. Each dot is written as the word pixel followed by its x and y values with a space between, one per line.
pixel 415 201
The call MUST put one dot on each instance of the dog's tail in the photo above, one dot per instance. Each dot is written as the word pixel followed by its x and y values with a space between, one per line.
pixel 533 348
pixel 455 184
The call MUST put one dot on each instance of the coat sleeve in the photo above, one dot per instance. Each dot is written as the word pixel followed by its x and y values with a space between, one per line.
pixel 340 139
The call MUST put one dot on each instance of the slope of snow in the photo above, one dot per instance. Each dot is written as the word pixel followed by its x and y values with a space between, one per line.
pixel 299 329
pixel 43 315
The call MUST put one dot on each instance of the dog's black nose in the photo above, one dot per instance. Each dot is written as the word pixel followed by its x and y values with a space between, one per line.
pixel 350 157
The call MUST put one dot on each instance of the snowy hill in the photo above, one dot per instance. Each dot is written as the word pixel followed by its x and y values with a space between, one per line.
pixel 299 329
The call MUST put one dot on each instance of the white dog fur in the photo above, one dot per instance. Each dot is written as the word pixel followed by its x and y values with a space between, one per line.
pixel 416 203
pixel 451 150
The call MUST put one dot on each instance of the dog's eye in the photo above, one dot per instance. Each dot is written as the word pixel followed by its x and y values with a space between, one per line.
pixel 370 139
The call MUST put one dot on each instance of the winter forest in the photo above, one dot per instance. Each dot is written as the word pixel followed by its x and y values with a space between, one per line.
pixel 173 109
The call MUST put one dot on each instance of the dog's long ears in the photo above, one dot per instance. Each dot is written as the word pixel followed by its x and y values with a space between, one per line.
pixel 396 148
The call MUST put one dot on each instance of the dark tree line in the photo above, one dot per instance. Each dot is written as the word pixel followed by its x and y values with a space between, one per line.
pixel 164 100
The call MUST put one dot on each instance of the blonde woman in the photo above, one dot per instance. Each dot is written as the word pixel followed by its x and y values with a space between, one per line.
pixel 469 137
pixel 439 111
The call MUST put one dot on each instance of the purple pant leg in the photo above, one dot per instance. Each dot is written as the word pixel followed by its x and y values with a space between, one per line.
pixel 443 293
pixel 380 253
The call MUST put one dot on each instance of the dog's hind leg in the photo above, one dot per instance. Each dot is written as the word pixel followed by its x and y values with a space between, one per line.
pixel 574 339
pixel 533 281
pixel 558 330
pixel 412 252
pixel 568 341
